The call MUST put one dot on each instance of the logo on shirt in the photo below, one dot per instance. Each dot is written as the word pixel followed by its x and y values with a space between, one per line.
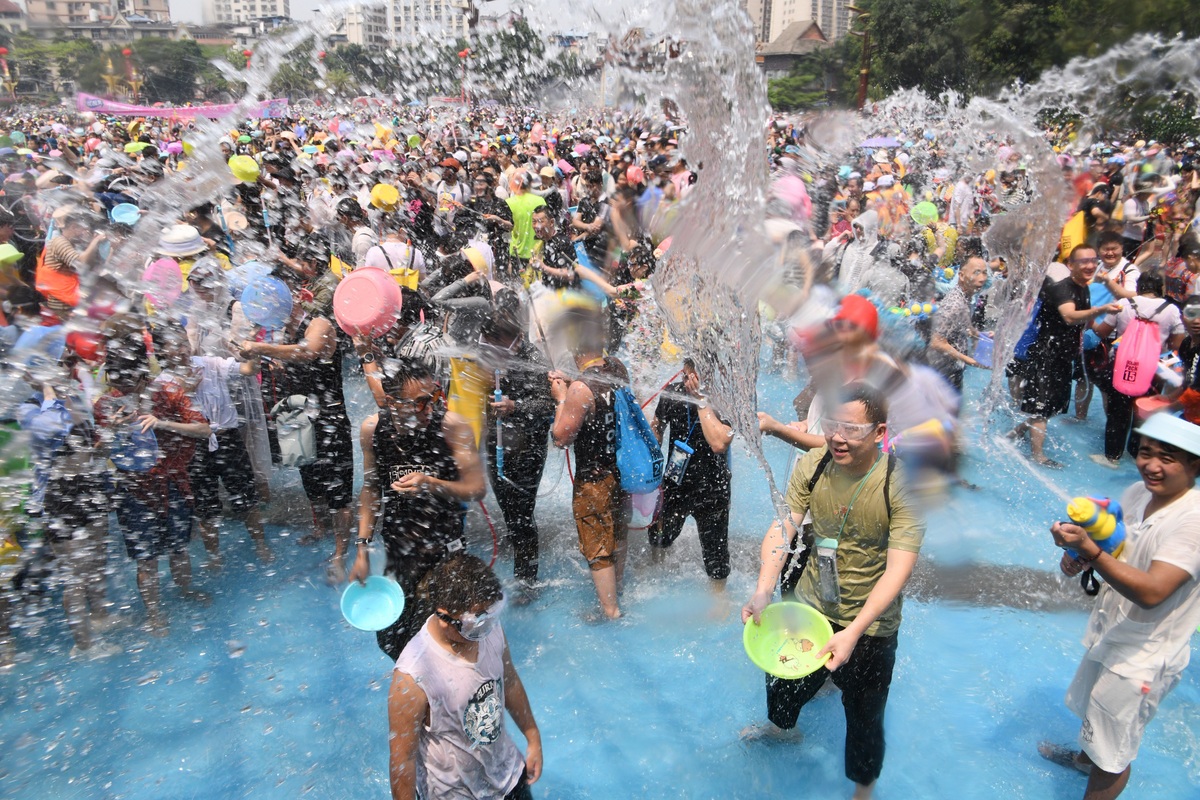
pixel 481 720
pixel 398 471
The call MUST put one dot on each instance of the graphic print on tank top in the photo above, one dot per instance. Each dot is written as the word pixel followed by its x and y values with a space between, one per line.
pixel 483 715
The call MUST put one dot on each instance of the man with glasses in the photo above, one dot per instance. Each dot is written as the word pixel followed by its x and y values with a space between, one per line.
pixel 1065 310
pixel 1116 273
pixel 420 465
pixel 450 689
pixel 866 533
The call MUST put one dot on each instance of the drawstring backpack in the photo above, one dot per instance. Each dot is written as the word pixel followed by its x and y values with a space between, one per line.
pixel 1137 357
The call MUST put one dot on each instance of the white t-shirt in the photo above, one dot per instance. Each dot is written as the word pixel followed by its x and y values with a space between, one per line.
pixel 1133 209
pixel 212 393
pixel 402 255
pixel 1168 320
pixel 1148 643
pixel 364 239
pixel 1125 275
pixel 465 752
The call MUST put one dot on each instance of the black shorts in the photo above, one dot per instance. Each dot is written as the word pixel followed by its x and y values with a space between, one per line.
pixel 229 464
pixel 331 477
pixel 74 504
pixel 158 528
pixel 1047 389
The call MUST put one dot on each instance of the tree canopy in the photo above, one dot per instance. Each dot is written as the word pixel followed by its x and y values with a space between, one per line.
pixel 979 46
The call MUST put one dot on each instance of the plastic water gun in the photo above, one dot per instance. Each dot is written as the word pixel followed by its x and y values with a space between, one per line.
pixel 1102 519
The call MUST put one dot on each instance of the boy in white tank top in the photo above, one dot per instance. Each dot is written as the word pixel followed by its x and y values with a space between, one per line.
pixel 449 691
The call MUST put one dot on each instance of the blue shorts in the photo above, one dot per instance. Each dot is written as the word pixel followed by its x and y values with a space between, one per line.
pixel 155 530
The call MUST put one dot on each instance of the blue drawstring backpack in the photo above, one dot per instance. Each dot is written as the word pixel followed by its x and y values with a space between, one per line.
pixel 639 458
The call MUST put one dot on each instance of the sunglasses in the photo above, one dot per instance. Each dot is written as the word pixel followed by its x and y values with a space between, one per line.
pixel 419 404
pixel 474 627
pixel 850 431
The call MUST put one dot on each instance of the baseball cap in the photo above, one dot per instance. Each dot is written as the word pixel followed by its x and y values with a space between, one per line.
pixel 859 312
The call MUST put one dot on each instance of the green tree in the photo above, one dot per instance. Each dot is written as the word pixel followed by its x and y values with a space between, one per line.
pixel 917 43
pixel 341 83
pixel 1010 41
pixel 296 78
pixel 804 87
pixel 169 68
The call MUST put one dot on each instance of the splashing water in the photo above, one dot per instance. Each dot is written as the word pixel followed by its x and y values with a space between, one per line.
pixel 723 265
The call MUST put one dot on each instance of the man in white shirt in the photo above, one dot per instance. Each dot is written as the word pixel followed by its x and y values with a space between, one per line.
pixel 1116 272
pixel 1135 214
pixel 1139 634
pixel 396 253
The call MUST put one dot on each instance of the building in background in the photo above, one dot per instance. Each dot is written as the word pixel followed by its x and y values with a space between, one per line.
pixel 236 12
pixel 113 30
pixel 367 25
pixel 770 18
pixel 777 58
pixel 438 21
pixel 68 12
pixel 12 17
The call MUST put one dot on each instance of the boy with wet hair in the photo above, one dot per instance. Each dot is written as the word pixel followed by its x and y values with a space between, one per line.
pixel 450 688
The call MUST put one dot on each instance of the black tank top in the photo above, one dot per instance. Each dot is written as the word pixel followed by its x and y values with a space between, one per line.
pixel 415 524
pixel 321 379
pixel 596 444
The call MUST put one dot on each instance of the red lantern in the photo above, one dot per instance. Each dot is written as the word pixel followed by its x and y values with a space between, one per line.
pixel 127 52
pixel 247 53
pixel 321 54
pixel 3 51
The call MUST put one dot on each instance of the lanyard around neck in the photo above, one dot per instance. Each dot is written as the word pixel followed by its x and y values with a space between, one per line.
pixel 854 497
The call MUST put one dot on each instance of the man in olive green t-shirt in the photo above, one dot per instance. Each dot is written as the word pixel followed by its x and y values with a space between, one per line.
pixel 866 534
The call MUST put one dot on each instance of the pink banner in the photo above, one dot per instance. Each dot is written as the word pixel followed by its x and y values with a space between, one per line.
pixel 267 109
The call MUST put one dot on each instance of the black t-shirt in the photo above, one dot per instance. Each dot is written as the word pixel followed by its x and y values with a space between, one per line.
pixel 1056 338
pixel 1087 204
pixel 559 253
pixel 707 472
pixel 1189 354
pixel 596 244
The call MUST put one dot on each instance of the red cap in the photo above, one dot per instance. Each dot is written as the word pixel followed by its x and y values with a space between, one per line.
pixel 88 346
pixel 860 312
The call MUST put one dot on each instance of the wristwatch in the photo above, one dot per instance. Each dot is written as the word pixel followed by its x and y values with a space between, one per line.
pixel 367 358
pixel 703 404
pixel 362 542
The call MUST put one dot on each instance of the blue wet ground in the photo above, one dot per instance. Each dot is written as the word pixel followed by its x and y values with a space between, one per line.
pixel 270 694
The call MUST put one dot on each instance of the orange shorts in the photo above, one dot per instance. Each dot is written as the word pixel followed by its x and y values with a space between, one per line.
pixel 602 518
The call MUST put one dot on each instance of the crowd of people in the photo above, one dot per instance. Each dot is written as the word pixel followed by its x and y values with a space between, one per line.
pixel 525 248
